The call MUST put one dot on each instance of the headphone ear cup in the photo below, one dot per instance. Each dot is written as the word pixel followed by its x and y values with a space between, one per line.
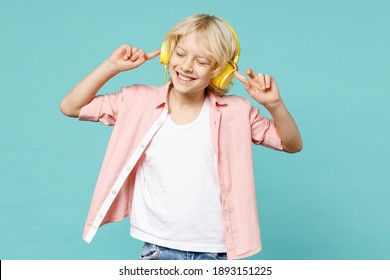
pixel 164 55
pixel 223 79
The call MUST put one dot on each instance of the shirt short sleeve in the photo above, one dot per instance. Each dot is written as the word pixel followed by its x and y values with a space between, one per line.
pixel 264 131
pixel 102 108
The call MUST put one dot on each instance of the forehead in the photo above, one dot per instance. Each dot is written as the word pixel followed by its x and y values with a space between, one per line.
pixel 194 41
pixel 188 39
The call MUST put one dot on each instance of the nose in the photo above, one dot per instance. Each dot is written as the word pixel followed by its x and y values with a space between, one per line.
pixel 187 65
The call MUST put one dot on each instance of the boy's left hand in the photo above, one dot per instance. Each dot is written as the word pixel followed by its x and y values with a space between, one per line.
pixel 260 87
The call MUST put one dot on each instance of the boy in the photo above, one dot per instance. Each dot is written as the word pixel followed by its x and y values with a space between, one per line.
pixel 179 160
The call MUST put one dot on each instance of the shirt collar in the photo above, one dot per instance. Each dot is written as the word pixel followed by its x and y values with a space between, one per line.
pixel 216 99
pixel 162 97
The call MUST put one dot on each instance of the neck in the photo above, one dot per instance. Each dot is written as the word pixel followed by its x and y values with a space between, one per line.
pixel 186 100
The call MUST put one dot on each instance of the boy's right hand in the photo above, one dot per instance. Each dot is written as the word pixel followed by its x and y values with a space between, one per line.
pixel 127 57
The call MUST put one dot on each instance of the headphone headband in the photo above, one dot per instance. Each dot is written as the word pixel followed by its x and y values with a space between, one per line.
pixel 238 49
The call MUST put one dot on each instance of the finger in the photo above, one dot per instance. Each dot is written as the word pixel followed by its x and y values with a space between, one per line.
pixel 242 79
pixel 267 81
pixel 141 59
pixel 250 73
pixel 261 78
pixel 134 49
pixel 136 55
pixel 153 54
pixel 126 51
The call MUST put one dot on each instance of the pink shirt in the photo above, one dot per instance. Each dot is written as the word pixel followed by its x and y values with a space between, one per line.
pixel 138 112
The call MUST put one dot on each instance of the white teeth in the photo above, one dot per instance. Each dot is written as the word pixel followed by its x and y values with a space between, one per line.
pixel 184 78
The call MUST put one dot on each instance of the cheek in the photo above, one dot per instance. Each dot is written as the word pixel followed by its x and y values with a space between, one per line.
pixel 171 66
pixel 207 74
pixel 173 60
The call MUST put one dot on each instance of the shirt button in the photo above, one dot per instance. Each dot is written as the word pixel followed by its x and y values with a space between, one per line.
pixel 113 192
pixel 142 146
pixel 101 216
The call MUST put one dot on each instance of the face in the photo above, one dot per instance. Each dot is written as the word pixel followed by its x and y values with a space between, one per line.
pixel 190 71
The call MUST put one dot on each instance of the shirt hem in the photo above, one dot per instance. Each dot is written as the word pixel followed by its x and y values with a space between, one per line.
pixel 140 235
pixel 244 255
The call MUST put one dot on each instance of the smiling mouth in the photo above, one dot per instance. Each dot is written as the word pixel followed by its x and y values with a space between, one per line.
pixel 184 78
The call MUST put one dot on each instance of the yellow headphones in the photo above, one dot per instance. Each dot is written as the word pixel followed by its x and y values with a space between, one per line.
pixel 223 79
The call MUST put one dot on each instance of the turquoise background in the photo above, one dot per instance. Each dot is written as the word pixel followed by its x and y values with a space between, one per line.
pixel 329 58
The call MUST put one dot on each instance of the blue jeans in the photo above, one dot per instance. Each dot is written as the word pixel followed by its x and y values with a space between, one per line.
pixel 156 252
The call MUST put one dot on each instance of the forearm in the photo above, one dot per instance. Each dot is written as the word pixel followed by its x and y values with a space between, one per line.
pixel 86 89
pixel 286 127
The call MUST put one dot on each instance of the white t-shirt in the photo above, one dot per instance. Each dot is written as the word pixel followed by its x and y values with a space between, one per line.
pixel 176 201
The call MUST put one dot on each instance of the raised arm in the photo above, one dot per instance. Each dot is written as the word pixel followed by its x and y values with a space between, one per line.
pixel 122 59
pixel 264 90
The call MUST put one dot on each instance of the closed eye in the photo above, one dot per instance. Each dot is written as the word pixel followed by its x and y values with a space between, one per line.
pixel 203 63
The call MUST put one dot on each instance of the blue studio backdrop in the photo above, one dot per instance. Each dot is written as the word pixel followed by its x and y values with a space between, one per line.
pixel 329 58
